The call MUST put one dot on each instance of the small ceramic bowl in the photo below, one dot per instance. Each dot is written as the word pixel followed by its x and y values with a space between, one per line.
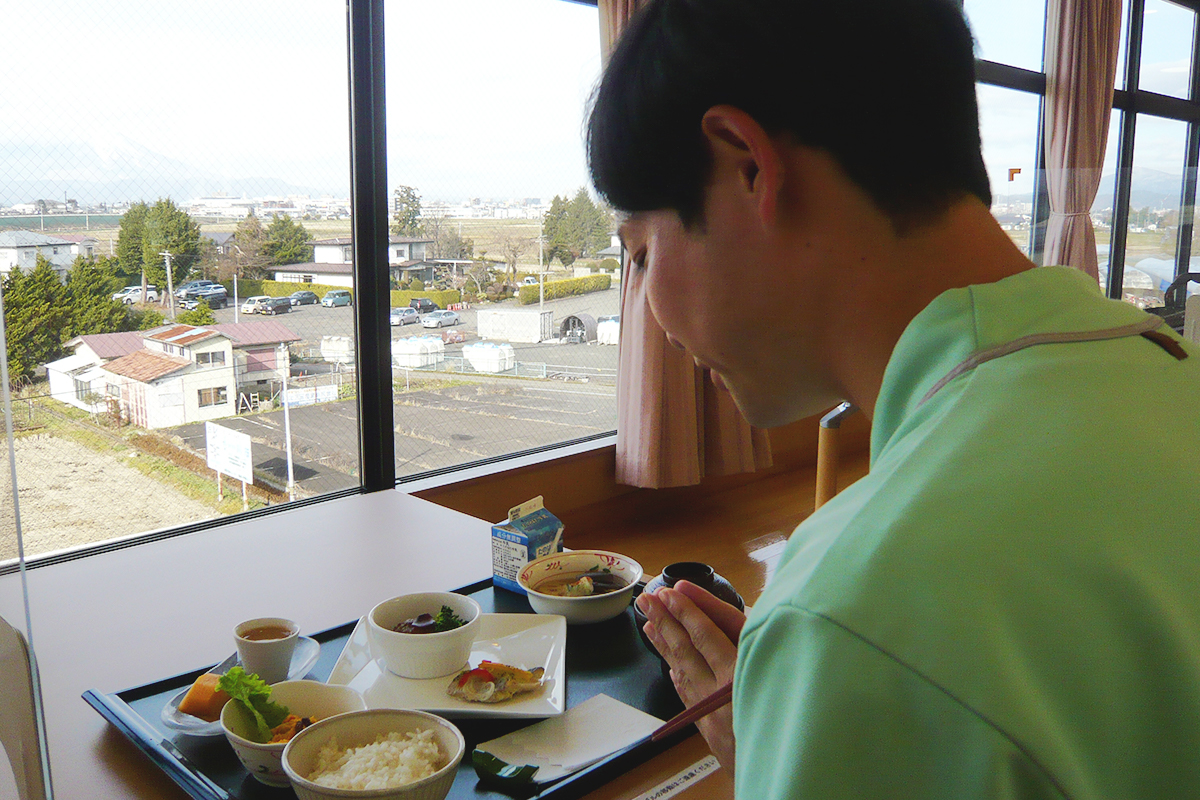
pixel 303 698
pixel 580 610
pixel 360 728
pixel 422 655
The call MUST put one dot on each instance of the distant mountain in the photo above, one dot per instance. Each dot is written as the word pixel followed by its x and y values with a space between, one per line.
pixel 1152 188
pixel 121 170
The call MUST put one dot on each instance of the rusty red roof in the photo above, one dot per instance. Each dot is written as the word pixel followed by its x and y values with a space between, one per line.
pixel 174 333
pixel 145 366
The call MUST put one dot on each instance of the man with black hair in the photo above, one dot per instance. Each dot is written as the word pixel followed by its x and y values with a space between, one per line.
pixel 994 611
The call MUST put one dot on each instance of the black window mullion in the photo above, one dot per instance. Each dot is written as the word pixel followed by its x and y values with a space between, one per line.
pixel 1041 194
pixel 1187 202
pixel 1124 181
pixel 372 298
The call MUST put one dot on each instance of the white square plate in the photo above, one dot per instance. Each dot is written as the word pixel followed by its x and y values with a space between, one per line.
pixel 520 640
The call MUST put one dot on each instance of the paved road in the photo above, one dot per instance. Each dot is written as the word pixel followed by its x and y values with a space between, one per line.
pixel 436 426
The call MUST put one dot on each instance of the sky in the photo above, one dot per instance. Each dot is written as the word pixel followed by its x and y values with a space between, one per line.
pixel 1010 32
pixel 485 98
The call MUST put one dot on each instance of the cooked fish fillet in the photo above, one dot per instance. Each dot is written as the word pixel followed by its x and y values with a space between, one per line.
pixel 491 682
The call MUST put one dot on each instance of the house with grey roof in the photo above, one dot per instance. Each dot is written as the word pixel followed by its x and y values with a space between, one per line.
pixel 333 262
pixel 19 250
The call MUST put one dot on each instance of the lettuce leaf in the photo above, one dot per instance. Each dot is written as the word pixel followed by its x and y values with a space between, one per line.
pixel 254 695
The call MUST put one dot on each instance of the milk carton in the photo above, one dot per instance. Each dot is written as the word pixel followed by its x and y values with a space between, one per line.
pixel 529 533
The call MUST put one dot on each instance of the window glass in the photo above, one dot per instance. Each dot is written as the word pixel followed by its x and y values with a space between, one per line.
pixel 1167 48
pixel 1008 126
pixel 224 143
pixel 1122 49
pixel 504 252
pixel 1011 32
pixel 1158 160
pixel 1102 206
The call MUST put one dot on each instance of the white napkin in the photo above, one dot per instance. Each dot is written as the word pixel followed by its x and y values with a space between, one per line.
pixel 579 737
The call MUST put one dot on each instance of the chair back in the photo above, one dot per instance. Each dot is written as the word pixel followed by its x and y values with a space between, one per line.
pixel 19 731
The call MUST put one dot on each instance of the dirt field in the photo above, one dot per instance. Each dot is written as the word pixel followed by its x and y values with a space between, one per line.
pixel 71 495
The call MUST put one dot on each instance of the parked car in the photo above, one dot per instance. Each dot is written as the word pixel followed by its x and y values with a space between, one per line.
pixel 215 296
pixel 133 294
pixel 436 319
pixel 253 304
pixel 276 305
pixel 403 316
pixel 305 298
pixel 337 297
pixel 423 305
pixel 530 281
pixel 186 291
pixel 197 291
pixel 189 305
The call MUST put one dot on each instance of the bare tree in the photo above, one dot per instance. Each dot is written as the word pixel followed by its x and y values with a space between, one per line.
pixel 512 248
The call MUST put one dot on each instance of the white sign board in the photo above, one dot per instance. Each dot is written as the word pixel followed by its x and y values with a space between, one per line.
pixel 228 452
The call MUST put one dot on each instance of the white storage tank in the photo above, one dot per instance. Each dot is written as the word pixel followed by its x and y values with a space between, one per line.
pixel 490 356
pixel 418 351
pixel 608 330
pixel 337 349
pixel 515 324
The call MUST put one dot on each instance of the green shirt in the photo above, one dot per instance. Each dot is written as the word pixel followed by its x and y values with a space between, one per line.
pixel 1008 605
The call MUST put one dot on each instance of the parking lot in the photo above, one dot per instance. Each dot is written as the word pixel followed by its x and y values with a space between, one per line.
pixel 312 322
pixel 440 419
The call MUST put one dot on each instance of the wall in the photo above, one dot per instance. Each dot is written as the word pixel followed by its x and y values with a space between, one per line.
pixel 571 483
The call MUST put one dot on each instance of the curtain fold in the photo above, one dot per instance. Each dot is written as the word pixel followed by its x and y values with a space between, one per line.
pixel 1082 39
pixel 673 425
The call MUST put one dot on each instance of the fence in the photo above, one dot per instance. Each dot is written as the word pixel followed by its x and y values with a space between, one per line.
pixel 457 365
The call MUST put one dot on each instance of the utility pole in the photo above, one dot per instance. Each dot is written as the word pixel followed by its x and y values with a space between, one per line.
pixel 170 285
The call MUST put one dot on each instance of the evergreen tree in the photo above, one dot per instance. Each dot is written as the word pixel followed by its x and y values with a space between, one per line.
pixel 200 315
pixel 406 216
pixel 555 230
pixel 36 313
pixel 90 285
pixel 589 225
pixel 129 239
pixel 169 229
pixel 287 242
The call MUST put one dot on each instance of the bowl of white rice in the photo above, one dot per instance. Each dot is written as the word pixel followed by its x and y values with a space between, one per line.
pixel 379 753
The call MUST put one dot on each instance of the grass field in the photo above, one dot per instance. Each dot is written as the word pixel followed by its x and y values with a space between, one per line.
pixel 489 236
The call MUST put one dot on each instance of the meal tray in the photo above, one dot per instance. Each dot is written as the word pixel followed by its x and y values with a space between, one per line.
pixel 605 658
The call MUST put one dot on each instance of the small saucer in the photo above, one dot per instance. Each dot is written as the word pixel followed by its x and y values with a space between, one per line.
pixel 305 655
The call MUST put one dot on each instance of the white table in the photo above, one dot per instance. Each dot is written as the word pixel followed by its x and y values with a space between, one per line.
pixel 123 619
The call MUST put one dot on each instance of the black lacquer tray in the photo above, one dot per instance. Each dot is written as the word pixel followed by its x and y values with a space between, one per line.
pixel 605 658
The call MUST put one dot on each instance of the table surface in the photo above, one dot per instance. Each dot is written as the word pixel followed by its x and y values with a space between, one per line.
pixel 126 618
pixel 122 619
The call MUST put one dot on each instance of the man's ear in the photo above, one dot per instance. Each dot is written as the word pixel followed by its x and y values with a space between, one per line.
pixel 744 153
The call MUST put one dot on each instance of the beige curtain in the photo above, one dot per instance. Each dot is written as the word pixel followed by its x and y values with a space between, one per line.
pixel 673 425
pixel 1082 37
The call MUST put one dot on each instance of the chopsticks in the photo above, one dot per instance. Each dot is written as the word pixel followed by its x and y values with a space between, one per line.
pixel 689 715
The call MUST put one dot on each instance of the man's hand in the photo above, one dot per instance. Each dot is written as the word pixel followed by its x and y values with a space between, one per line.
pixel 697 634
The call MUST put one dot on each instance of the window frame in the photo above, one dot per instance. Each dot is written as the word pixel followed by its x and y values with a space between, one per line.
pixel 1128 103
pixel 370 230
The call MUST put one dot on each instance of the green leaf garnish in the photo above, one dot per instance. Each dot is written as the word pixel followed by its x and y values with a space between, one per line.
pixel 446 620
pixel 254 696
pixel 500 773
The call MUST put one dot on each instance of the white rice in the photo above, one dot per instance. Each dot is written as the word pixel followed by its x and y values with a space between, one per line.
pixel 392 760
